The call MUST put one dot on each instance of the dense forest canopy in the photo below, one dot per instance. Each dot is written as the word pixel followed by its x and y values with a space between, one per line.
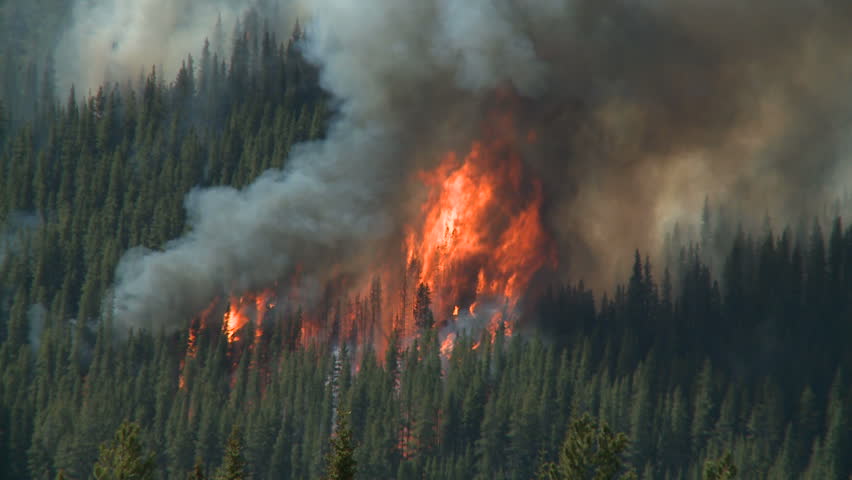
pixel 724 351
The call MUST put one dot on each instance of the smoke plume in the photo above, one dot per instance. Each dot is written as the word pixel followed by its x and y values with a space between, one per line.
pixel 119 40
pixel 640 110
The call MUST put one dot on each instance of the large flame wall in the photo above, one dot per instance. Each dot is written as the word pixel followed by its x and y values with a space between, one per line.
pixel 477 241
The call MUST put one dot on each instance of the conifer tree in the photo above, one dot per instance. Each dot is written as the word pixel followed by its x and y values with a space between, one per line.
pixel 197 472
pixel 341 459
pixel 234 463
pixel 721 468
pixel 423 317
pixel 591 451
pixel 123 458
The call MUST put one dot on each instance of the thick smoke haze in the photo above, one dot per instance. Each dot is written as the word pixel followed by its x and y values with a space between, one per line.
pixel 120 40
pixel 641 109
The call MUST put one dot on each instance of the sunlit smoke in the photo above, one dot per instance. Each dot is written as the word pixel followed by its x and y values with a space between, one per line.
pixel 624 117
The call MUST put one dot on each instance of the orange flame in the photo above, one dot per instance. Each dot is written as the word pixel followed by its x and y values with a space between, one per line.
pixel 240 310
pixel 447 345
pixel 478 241
pixel 192 338
pixel 482 235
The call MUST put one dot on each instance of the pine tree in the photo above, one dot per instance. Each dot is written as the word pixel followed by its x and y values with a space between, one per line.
pixel 704 407
pixel 197 472
pixel 838 436
pixel 341 464
pixel 590 451
pixel 721 468
pixel 234 463
pixel 123 458
pixel 423 317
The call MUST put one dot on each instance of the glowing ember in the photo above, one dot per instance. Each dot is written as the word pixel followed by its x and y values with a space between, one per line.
pixel 497 322
pixel 262 303
pixel 191 342
pixel 447 345
pixel 456 311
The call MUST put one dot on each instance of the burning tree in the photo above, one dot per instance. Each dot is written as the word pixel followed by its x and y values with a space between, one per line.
pixel 423 317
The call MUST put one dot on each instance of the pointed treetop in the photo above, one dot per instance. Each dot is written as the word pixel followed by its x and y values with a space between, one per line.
pixel 341 459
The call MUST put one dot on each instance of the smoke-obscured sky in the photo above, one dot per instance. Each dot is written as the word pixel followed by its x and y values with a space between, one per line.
pixel 117 40
pixel 642 108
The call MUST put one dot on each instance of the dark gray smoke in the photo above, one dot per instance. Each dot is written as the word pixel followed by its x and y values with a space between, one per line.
pixel 641 108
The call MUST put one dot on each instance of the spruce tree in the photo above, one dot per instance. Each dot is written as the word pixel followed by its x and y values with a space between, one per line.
pixel 197 472
pixel 591 451
pixel 423 317
pixel 234 463
pixel 123 458
pixel 721 468
pixel 341 459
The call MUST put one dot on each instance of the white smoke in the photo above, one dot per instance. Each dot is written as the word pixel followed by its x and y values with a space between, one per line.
pixel 626 96
pixel 380 62
pixel 119 40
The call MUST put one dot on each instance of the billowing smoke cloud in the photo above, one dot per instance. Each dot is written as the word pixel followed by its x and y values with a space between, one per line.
pixel 641 109
pixel 117 40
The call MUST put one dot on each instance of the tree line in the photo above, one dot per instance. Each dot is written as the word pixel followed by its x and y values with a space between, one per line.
pixel 709 364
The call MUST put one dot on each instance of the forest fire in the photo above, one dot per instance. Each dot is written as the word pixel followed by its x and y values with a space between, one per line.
pixel 482 236
pixel 477 242
pixel 240 309
pixel 448 344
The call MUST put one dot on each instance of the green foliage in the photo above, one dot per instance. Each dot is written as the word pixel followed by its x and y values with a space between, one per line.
pixel 197 472
pixel 720 468
pixel 233 463
pixel 590 451
pixel 341 460
pixel 738 349
pixel 124 457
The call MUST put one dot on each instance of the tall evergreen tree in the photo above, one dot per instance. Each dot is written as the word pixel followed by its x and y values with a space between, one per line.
pixel 591 451
pixel 233 463
pixel 423 317
pixel 341 460
pixel 720 469
pixel 197 472
pixel 124 458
